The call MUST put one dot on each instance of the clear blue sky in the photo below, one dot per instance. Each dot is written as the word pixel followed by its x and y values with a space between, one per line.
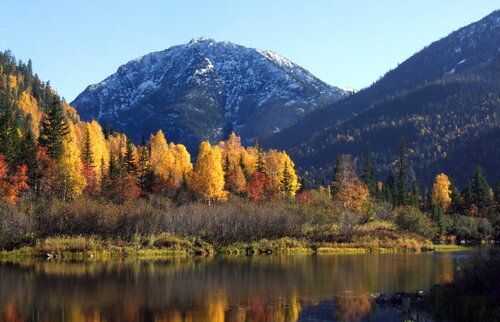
pixel 345 43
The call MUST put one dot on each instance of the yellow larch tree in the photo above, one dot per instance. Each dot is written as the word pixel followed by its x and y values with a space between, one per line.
pixel 351 192
pixel 207 178
pixel 99 147
pixel 69 168
pixel 275 166
pixel 182 165
pixel 161 158
pixel 231 150
pixel 29 105
pixel 441 192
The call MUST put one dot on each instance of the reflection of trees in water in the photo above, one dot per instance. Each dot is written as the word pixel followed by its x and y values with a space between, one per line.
pixel 263 288
pixel 352 308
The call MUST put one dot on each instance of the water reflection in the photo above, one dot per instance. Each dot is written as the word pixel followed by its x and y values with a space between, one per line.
pixel 262 288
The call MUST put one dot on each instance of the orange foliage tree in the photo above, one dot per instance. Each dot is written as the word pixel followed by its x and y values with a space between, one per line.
pixel 11 185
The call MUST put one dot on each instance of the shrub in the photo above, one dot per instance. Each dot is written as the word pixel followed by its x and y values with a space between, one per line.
pixel 412 220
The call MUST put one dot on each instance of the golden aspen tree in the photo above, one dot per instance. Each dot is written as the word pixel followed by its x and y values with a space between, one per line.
pixel 275 165
pixel 207 178
pixel 99 147
pixel 182 165
pixel 70 178
pixel 161 158
pixel 231 150
pixel 441 192
pixel 29 105
pixel 348 189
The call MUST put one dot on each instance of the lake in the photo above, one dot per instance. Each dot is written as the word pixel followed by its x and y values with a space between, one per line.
pixel 260 288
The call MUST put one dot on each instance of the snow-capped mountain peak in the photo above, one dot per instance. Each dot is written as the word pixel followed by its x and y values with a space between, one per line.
pixel 204 89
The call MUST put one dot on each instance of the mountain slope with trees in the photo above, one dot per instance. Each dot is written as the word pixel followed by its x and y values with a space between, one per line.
pixel 441 99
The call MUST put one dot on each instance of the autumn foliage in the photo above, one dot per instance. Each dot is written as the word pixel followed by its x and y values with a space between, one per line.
pixel 12 185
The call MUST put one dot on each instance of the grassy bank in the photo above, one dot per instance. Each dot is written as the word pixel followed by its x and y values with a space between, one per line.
pixel 165 245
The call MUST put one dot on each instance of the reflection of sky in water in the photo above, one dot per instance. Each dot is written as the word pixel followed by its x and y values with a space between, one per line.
pixel 262 288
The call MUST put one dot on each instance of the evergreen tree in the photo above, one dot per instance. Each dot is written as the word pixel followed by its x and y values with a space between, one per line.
pixel 438 217
pixel 87 155
pixel 286 183
pixel 10 140
pixel 129 159
pixel 54 129
pixel 261 165
pixel 368 172
pixel 28 155
pixel 113 168
pixel 468 194
pixel 337 174
pixel 481 189
pixel 402 184
pixel 389 189
pixel 244 167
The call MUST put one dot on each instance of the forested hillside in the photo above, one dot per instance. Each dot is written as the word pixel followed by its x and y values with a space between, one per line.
pixel 443 100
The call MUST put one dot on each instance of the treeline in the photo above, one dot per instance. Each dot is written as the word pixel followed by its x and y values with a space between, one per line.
pixel 61 176
pixel 470 213
pixel 45 151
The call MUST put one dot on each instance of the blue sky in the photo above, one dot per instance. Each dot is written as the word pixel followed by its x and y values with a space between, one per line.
pixel 345 43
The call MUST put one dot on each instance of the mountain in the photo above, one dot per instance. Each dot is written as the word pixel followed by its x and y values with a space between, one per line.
pixel 203 90
pixel 442 99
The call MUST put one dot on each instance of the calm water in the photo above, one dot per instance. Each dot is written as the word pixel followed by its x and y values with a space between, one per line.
pixel 262 288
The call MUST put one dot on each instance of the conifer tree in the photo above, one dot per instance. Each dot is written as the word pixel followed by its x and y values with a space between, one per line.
pixel 28 154
pixel 9 137
pixel 87 154
pixel 54 129
pixel 337 174
pixel 402 184
pixel 368 173
pixel 286 184
pixel 129 159
pixel 261 165
pixel 481 189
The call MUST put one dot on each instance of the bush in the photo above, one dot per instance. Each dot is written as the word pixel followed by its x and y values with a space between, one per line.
pixel 17 226
pixel 466 227
pixel 412 220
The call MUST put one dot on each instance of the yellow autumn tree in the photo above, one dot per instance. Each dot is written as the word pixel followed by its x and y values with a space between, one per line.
pixel 182 165
pixel 441 192
pixel 99 147
pixel 161 159
pixel 29 105
pixel 231 150
pixel 278 166
pixel 348 189
pixel 207 178
pixel 71 180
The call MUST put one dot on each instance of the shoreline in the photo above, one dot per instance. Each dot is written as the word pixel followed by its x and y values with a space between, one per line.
pixel 83 248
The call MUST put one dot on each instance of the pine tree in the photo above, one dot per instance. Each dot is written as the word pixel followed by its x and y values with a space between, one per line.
pixel 337 174
pixel 368 173
pixel 54 129
pixel 113 169
pixel 129 159
pixel 456 199
pixel 28 154
pixel 10 140
pixel 87 154
pixel 286 184
pixel 261 165
pixel 468 195
pixel 481 189
pixel 402 183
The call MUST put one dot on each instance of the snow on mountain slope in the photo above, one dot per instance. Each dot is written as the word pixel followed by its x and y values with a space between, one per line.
pixel 204 89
